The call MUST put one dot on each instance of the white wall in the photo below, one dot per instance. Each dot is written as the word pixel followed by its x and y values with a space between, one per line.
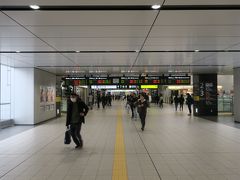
pixel 42 78
pixel 23 95
pixel 226 81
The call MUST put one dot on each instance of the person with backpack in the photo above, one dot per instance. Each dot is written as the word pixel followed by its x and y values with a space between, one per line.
pixel 189 102
pixel 76 111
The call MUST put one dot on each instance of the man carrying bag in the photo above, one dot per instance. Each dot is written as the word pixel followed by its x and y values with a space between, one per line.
pixel 76 111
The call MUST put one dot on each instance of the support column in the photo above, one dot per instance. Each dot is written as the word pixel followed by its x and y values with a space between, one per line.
pixel 236 97
pixel 205 95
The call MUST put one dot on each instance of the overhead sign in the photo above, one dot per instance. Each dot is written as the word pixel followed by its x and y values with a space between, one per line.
pixel 121 81
pixel 149 86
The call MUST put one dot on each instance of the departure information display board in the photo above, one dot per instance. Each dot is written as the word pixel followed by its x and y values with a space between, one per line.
pixel 122 81
pixel 76 81
pixel 179 80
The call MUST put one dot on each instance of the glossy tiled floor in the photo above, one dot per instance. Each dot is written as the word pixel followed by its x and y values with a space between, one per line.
pixel 173 147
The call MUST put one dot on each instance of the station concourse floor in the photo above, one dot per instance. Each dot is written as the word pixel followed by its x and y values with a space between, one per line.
pixel 173 146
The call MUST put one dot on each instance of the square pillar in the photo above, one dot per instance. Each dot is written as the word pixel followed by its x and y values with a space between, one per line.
pixel 205 95
pixel 236 97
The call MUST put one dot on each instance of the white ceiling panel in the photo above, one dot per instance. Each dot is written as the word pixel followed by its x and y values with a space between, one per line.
pixel 76 71
pixel 178 58
pixel 23 44
pixel 204 17
pixel 195 31
pixel 80 71
pixel 189 43
pixel 4 20
pixel 14 31
pixel 80 2
pixel 98 44
pixel 235 47
pixel 42 59
pixel 222 58
pixel 201 2
pixel 158 70
pixel 83 17
pixel 102 59
pixel 89 31
pixel 213 69
pixel 9 60
pixel 184 47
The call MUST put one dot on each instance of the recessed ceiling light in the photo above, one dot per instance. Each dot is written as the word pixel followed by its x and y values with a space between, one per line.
pixel 18 51
pixel 196 50
pixel 34 7
pixel 156 6
pixel 77 51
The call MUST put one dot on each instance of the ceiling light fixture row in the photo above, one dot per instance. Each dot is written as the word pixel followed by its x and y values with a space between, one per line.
pixel 155 7
pixel 35 7
pixel 75 71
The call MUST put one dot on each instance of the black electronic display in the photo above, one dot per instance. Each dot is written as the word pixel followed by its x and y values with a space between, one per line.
pixel 179 80
pixel 76 81
pixel 103 80
pixel 135 80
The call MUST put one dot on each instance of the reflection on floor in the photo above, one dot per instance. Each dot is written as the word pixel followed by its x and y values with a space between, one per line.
pixel 173 146
pixel 224 119
pixel 11 131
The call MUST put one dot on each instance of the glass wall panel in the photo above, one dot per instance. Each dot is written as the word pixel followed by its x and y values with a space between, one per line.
pixel 5 92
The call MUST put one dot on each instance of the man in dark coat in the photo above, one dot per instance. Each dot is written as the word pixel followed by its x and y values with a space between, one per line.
pixel 76 111
pixel 189 102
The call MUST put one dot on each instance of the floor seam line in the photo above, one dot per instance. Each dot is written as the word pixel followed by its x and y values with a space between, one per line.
pixel 147 151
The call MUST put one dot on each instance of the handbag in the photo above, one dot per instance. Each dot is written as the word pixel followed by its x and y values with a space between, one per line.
pixel 67 138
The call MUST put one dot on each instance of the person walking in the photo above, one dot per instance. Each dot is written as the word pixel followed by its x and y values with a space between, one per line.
pixel 161 101
pixel 142 110
pixel 104 100
pixel 189 102
pixel 90 100
pixel 176 101
pixel 98 99
pixel 76 111
pixel 133 101
pixel 181 102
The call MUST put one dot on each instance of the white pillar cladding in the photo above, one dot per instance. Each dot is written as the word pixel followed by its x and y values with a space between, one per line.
pixel 24 96
pixel 236 97
pixel 27 104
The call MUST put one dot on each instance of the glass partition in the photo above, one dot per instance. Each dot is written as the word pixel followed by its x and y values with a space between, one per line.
pixel 5 93
pixel 225 104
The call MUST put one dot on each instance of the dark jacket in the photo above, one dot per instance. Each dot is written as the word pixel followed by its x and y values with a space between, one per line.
pixel 133 101
pixel 189 100
pixel 142 107
pixel 82 108
pixel 181 100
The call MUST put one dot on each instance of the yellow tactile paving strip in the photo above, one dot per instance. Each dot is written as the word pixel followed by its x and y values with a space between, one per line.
pixel 119 165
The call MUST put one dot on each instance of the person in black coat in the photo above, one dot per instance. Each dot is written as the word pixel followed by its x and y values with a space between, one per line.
pixel 98 99
pixel 176 101
pixel 189 102
pixel 132 102
pixel 181 102
pixel 142 110
pixel 76 111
